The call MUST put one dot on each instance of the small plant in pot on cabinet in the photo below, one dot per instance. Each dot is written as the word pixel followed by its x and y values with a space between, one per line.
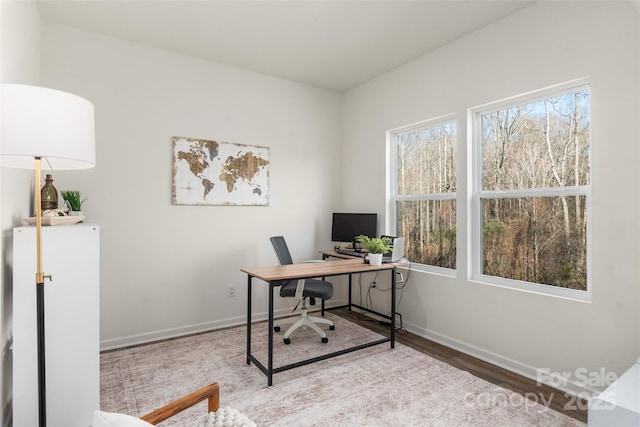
pixel 73 200
pixel 376 246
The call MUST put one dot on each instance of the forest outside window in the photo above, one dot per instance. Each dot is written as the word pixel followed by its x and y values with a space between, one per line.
pixel 532 192
pixel 424 191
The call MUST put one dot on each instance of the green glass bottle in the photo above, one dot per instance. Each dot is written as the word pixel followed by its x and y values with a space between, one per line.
pixel 48 195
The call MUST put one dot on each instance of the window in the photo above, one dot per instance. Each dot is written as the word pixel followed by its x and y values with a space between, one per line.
pixel 532 191
pixel 424 191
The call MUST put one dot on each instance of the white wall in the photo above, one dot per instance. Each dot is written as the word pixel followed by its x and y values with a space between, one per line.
pixel 19 63
pixel 545 44
pixel 164 268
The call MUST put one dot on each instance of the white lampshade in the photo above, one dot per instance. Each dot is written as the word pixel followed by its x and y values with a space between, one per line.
pixel 46 123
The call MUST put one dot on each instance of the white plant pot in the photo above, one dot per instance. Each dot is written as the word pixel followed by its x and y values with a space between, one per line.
pixel 374 259
pixel 75 213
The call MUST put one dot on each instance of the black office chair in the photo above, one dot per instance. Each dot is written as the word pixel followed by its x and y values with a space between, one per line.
pixel 302 289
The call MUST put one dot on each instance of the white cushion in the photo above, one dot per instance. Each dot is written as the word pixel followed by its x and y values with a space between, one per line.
pixel 110 419
pixel 225 417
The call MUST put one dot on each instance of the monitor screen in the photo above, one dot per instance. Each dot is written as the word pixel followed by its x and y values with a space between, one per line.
pixel 347 226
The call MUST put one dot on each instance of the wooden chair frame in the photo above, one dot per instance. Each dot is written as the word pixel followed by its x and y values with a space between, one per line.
pixel 210 392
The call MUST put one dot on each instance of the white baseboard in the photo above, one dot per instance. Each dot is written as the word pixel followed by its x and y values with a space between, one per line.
pixel 528 371
pixel 148 337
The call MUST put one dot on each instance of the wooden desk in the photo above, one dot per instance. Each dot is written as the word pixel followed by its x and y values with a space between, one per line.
pixel 273 275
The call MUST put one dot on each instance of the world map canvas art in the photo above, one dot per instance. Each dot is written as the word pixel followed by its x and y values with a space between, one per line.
pixel 219 173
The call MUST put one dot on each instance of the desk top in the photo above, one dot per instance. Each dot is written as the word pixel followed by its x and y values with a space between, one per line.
pixel 314 269
pixel 404 263
pixel 332 253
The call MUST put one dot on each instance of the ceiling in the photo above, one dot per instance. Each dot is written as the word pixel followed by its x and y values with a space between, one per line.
pixel 335 44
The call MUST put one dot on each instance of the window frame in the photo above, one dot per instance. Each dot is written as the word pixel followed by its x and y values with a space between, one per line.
pixel 477 194
pixel 392 183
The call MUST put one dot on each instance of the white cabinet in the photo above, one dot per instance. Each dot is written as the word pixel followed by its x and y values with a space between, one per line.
pixel 619 404
pixel 71 255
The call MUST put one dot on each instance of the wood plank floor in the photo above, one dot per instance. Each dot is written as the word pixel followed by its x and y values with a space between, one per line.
pixel 559 401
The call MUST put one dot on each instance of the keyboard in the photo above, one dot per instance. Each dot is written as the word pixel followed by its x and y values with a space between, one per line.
pixel 353 253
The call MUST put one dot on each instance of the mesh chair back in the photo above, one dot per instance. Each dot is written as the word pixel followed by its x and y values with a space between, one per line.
pixel 282 251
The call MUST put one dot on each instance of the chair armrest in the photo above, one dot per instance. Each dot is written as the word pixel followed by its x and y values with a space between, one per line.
pixel 210 392
pixel 300 289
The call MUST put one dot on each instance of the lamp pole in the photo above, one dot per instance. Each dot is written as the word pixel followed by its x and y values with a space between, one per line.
pixel 40 276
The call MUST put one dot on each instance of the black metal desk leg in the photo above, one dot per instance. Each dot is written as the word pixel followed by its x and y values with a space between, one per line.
pixel 248 319
pixel 270 360
pixel 393 308
pixel 350 291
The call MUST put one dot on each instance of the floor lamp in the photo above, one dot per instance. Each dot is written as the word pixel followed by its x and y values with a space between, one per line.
pixel 39 123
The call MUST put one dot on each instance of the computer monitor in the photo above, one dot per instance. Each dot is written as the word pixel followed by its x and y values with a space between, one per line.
pixel 347 226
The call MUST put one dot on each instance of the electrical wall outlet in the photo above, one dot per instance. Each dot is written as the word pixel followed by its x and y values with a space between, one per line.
pixel 231 290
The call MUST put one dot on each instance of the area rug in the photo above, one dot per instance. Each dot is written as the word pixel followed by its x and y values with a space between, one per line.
pixel 373 387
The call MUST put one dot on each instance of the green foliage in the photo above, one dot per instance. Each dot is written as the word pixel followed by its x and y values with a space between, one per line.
pixel 567 276
pixel 497 248
pixel 494 229
pixel 73 199
pixel 375 245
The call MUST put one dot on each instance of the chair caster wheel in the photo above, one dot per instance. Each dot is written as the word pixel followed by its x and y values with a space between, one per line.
pixel 287 340
pixel 332 327
pixel 276 328
pixel 325 340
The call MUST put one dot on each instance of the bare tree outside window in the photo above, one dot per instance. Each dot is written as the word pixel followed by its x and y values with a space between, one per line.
pixel 425 193
pixel 534 187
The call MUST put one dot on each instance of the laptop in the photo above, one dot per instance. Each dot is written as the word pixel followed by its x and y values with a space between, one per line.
pixel 397 252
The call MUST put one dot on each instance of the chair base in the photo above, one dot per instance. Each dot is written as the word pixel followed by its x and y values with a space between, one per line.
pixel 307 321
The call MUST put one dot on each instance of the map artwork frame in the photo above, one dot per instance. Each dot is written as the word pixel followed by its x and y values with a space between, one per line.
pixel 219 173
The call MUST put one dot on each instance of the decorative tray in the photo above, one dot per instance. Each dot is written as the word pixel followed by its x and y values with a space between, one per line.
pixel 55 220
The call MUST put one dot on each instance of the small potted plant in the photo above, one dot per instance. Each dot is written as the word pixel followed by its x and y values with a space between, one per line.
pixel 73 200
pixel 376 246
